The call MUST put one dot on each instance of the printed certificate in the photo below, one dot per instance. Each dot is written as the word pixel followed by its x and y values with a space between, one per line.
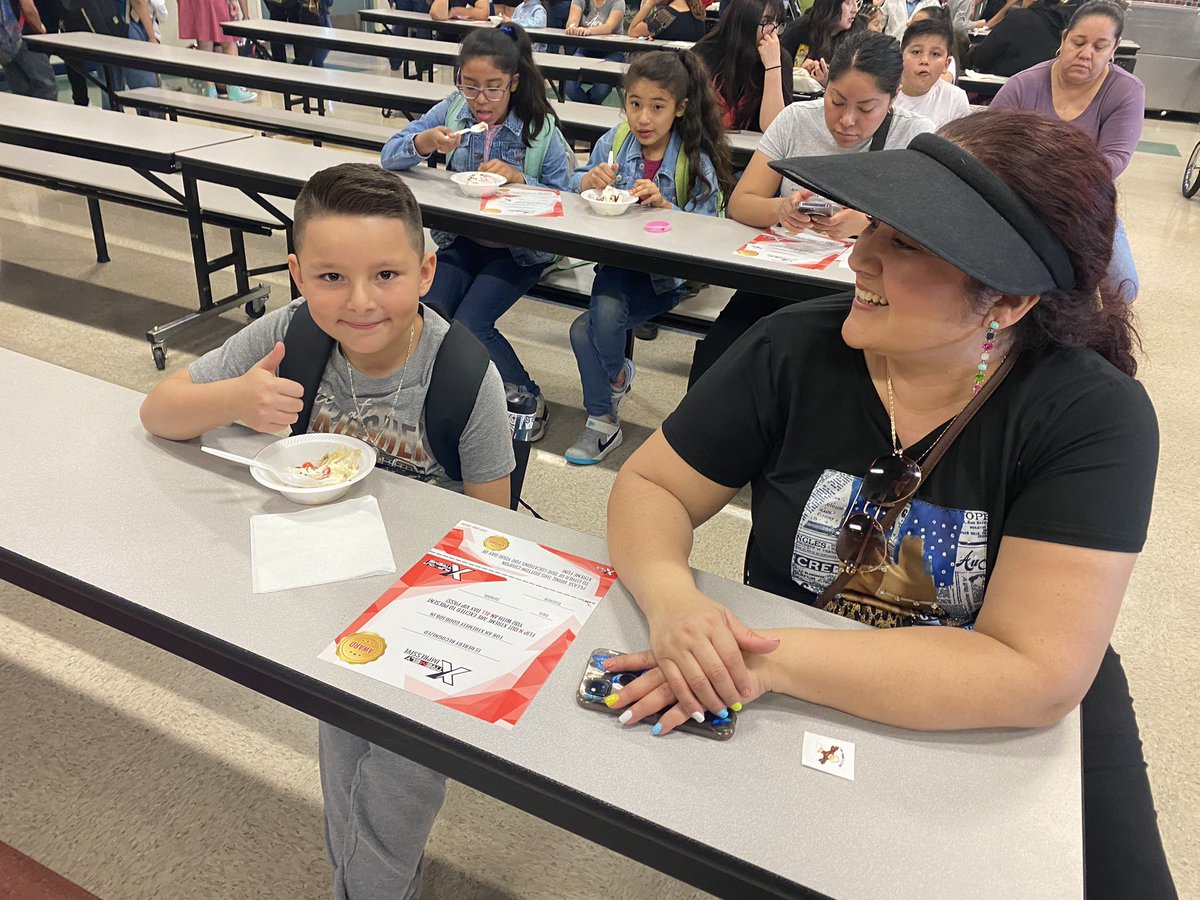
pixel 478 624
pixel 518 200
pixel 804 250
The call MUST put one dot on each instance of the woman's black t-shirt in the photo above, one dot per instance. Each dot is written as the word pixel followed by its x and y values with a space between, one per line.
pixel 684 27
pixel 1064 451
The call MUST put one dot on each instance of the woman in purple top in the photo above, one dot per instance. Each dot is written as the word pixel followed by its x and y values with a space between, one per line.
pixel 1082 86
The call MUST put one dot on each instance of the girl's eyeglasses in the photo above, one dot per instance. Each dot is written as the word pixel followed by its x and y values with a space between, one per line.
pixel 862 543
pixel 470 91
pixel 768 25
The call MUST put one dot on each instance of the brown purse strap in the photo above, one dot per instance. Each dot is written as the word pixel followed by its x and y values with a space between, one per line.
pixel 936 452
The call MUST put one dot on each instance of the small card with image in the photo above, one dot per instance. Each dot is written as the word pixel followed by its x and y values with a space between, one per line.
pixel 828 754
pixel 520 200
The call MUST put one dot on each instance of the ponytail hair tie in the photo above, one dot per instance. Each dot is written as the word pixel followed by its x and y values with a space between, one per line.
pixel 508 29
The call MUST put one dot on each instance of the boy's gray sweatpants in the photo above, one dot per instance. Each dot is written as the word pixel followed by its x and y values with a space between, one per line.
pixel 379 808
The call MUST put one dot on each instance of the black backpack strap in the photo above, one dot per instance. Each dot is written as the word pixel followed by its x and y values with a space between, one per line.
pixel 458 372
pixel 881 133
pixel 306 353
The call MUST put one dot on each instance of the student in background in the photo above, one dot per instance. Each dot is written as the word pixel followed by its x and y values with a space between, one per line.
pixel 528 14
pixel 499 86
pixel 751 73
pixel 669 20
pixel 926 50
pixel 200 21
pixel 958 39
pixel 361 264
pixel 441 10
pixel 28 72
pixel 810 40
pixel 1082 86
pixel 856 115
pixel 597 17
pixel 1023 39
pixel 874 18
pixel 670 153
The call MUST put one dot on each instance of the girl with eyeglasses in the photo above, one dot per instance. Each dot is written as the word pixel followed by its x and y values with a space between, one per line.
pixel 753 79
pixel 500 87
pixel 669 153
pixel 993 581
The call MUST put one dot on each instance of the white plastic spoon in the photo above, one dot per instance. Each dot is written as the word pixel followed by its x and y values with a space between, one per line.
pixel 472 129
pixel 288 478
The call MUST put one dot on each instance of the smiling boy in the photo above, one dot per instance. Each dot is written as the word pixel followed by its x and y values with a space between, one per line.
pixel 926 49
pixel 361 264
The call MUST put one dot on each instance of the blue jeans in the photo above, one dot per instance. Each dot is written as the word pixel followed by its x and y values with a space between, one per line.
pixel 599 91
pixel 621 300
pixel 1121 277
pixel 421 6
pixel 31 74
pixel 477 285
pixel 134 78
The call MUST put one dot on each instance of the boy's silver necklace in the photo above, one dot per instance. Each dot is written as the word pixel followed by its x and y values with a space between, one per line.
pixel 358 407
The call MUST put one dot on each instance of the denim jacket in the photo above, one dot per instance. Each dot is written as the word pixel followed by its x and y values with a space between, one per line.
pixel 631 167
pixel 507 146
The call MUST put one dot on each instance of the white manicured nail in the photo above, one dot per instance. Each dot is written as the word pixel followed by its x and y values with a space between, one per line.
pixel 698 717
pixel 625 716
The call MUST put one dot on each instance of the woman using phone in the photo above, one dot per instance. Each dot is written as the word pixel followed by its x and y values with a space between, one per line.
pixel 669 20
pixel 856 115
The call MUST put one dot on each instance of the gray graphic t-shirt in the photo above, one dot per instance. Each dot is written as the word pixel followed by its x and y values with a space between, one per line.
pixel 596 13
pixel 393 423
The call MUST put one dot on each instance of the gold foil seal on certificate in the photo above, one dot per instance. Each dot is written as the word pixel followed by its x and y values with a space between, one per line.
pixel 496 542
pixel 361 647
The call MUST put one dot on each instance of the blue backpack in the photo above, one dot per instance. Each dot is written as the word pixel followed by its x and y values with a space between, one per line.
pixel 11 26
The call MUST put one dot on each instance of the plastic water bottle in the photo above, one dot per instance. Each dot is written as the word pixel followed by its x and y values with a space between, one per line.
pixel 522 409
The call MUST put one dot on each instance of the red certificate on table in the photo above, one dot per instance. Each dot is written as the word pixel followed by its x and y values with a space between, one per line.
pixel 520 200
pixel 477 624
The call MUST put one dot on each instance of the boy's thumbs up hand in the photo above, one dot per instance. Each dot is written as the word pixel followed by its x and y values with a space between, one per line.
pixel 270 403
pixel 271 361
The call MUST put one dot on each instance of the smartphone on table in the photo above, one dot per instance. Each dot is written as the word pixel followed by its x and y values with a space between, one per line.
pixel 597 683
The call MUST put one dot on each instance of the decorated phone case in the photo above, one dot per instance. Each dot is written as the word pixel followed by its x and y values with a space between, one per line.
pixel 598 684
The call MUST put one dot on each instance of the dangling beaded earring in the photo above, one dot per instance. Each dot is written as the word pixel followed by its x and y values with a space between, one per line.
pixel 989 341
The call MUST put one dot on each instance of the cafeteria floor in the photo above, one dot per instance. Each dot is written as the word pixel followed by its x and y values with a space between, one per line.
pixel 138 775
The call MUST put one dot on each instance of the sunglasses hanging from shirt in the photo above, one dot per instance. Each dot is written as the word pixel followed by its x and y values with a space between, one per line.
pixel 888 486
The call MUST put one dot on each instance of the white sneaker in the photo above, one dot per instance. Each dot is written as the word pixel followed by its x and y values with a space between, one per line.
pixel 629 370
pixel 541 416
pixel 598 439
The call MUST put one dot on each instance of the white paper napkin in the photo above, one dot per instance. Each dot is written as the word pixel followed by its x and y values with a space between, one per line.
pixel 336 542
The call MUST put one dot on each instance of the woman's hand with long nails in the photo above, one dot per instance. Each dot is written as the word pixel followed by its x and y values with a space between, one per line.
pixel 700 646
pixel 652 692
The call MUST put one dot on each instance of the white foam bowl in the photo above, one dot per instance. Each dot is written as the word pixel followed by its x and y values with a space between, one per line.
pixel 495 20
pixel 604 208
pixel 481 189
pixel 301 448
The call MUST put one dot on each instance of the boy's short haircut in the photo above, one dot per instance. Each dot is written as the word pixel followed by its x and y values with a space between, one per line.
pixel 357 189
pixel 935 26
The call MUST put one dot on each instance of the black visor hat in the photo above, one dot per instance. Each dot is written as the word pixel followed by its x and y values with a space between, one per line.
pixel 949 202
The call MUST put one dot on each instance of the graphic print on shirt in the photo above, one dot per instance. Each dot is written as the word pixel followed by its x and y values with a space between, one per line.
pixel 935 554
pixel 398 443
